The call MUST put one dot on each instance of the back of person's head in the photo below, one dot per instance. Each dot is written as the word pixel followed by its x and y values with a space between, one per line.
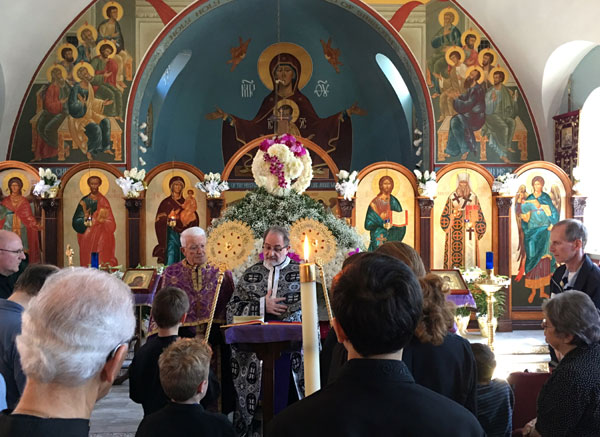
pixel 353 258
pixel 377 301
pixel 573 313
pixel 169 306
pixel 438 313
pixel 33 277
pixel 486 362
pixel 73 325
pixel 183 366
pixel 404 253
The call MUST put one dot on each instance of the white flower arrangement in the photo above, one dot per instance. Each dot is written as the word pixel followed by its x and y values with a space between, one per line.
pixel 427 183
pixel 347 184
pixel 280 160
pixel 132 183
pixel 48 184
pixel 505 184
pixel 212 185
pixel 577 180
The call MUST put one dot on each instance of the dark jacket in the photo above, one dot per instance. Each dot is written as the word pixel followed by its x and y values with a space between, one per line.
pixel 587 280
pixel 374 397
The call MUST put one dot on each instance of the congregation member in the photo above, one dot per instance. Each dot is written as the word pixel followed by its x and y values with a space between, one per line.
pixel 569 401
pixel 377 302
pixel 184 369
pixel 11 256
pixel 270 288
pixel 11 310
pixel 72 345
pixel 198 278
pixel 438 359
pixel 169 310
pixel 577 272
pixel 495 399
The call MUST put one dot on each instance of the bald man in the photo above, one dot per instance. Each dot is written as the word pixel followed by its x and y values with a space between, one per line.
pixel 11 255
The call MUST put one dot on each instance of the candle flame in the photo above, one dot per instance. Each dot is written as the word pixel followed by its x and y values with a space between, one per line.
pixel 306 248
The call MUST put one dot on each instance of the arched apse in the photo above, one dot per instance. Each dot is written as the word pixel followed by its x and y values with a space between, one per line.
pixel 559 66
pixel 343 68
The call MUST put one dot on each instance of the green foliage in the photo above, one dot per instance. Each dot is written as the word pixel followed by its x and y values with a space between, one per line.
pixel 463 311
pixel 481 301
pixel 260 210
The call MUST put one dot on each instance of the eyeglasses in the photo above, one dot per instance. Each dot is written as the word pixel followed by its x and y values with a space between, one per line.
pixel 194 248
pixel 16 252
pixel 112 353
pixel 545 324
pixel 276 249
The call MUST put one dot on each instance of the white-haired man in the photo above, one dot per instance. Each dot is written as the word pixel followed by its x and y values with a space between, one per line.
pixel 74 339
pixel 198 278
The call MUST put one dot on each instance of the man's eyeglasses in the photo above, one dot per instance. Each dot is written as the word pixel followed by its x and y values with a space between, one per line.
pixel 276 249
pixel 544 324
pixel 194 248
pixel 16 252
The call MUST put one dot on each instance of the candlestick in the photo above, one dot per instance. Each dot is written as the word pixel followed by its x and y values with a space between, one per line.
pixel 172 221
pixel 310 323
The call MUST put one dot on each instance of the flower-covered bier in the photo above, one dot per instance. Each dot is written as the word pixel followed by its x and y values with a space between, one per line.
pixel 278 162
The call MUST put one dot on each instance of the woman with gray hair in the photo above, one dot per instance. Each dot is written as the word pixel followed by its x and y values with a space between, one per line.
pixel 569 402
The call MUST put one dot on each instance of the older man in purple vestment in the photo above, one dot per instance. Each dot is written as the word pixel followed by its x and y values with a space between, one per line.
pixel 198 278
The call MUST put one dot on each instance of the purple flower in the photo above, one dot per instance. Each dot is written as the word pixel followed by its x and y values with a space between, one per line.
pixel 354 252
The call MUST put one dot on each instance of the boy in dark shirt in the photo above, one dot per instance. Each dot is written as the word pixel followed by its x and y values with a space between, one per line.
pixel 495 399
pixel 169 310
pixel 184 368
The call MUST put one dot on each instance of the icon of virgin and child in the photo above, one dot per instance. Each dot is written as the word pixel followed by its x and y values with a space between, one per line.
pixel 285 68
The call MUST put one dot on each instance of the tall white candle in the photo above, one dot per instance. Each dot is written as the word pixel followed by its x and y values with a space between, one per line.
pixel 310 323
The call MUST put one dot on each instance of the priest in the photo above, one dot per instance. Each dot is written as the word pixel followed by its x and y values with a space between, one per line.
pixel 271 289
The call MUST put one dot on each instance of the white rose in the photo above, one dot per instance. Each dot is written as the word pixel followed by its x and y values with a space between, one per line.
pixel 343 175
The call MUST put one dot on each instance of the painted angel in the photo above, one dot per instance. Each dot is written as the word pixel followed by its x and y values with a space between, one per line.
pixel 536 214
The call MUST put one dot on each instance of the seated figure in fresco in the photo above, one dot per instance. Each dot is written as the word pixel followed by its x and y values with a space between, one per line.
pixel 447 36
pixel 86 50
pixel 54 98
pixel 16 216
pixel 105 81
pixel 500 113
pixel 536 213
pixel 95 225
pixel 451 85
pixel 111 29
pixel 379 216
pixel 333 134
pixel 169 224
pixel 89 128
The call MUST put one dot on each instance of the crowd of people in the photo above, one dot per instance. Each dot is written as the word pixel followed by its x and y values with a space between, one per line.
pixel 390 365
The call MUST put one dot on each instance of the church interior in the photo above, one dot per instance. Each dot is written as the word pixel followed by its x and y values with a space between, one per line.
pixel 464 129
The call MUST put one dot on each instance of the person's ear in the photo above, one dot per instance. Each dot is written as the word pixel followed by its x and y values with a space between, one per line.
pixel 182 321
pixel 339 331
pixel 113 364
pixel 203 388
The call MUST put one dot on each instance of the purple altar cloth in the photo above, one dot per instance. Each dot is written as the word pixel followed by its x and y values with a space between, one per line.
pixel 263 333
pixel 462 300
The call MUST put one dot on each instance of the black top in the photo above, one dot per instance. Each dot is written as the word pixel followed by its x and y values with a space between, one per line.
pixel 569 402
pixel 10 363
pixel 183 420
pixel 7 283
pixel 144 377
pixel 12 425
pixel 373 397
pixel 448 369
pixel 587 280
